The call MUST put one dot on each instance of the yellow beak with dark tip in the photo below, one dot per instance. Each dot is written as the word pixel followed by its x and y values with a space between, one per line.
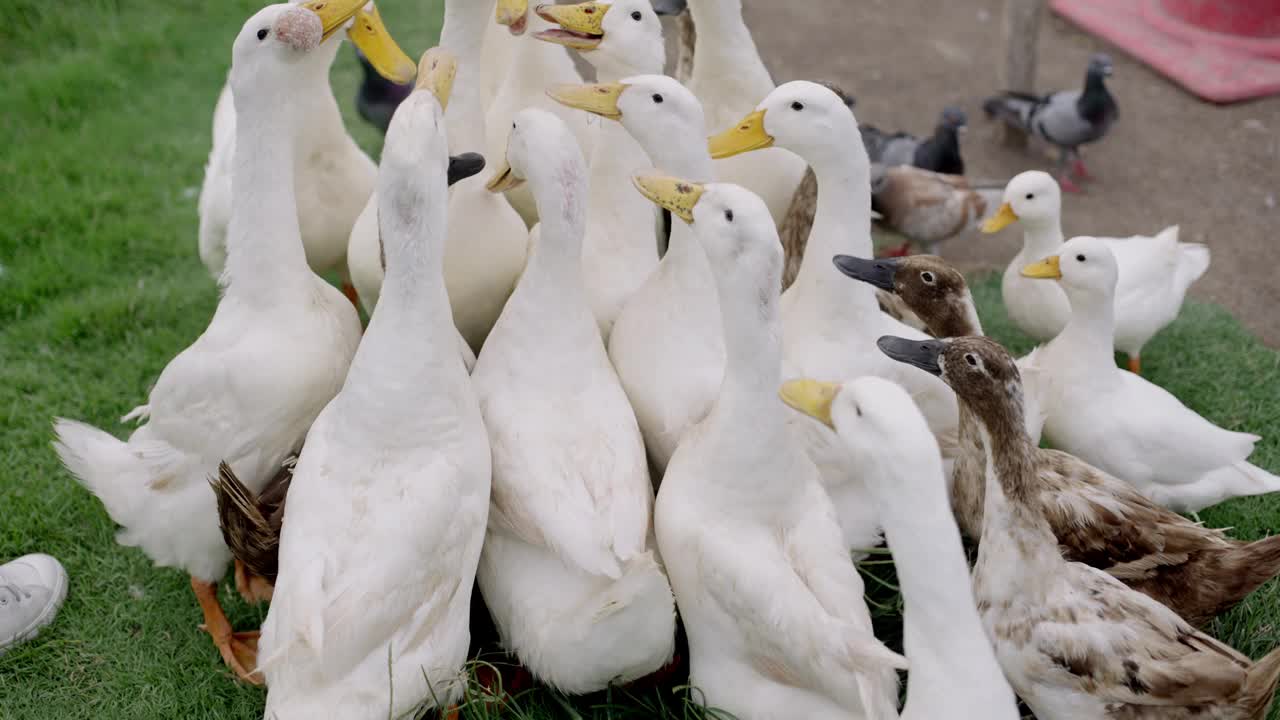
pixel 1047 268
pixel 436 71
pixel 334 14
pixel 598 98
pixel 811 397
pixel 678 196
pixel 581 25
pixel 746 136
pixel 1003 218
pixel 504 179
pixel 371 36
pixel 511 13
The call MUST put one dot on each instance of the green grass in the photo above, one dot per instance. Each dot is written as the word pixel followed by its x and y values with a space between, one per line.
pixel 106 128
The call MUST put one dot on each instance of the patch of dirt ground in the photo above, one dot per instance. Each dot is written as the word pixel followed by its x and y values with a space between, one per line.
pixel 1171 159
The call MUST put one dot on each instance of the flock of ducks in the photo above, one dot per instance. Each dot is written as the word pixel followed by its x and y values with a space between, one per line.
pixel 583 419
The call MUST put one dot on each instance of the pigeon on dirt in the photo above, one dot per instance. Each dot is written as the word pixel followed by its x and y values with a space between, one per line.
pixel 1066 119
pixel 939 153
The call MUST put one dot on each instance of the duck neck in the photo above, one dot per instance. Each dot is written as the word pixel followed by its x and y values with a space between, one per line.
pixel 1041 237
pixel 725 56
pixel 841 224
pixel 315 100
pixel 941 628
pixel 265 257
pixel 753 351
pixel 463 35
pixel 1090 333
pixel 959 318
pixel 555 260
pixel 610 69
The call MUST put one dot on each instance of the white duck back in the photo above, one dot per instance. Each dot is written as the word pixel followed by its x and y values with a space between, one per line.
pixel 387 510
pixel 567 569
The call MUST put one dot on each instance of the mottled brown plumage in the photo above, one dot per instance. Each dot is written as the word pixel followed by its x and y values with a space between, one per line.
pixel 1097 519
pixel 925 207
pixel 251 524
pixel 1074 642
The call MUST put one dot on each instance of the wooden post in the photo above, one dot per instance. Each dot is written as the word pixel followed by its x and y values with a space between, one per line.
pixel 1021 39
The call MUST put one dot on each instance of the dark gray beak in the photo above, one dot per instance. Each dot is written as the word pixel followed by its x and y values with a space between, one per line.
pixel 923 354
pixel 875 272
pixel 464 166
pixel 669 7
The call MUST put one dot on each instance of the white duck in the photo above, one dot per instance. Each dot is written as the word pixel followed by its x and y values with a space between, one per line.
pixel 1073 641
pixel 567 571
pixel 487 242
pixel 727 76
pixel 830 324
pixel 1116 420
pixel 620 249
pixel 528 68
pixel 1155 272
pixel 390 496
pixel 333 176
pixel 772 606
pixel 954 673
pixel 275 352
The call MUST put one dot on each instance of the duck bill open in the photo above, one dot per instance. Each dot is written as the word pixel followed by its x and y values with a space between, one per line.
pixel 924 354
pixel 334 14
pixel 746 136
pixel 581 26
pixel 436 71
pixel 676 195
pixel 1003 218
pixel 811 397
pixel 597 98
pixel 369 34
pixel 1047 268
pixel 514 14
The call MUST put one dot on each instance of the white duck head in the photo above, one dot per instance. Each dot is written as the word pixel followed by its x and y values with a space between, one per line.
pixel 1032 197
pixel 1084 267
pixel 803 117
pixel 618 38
pixel 660 113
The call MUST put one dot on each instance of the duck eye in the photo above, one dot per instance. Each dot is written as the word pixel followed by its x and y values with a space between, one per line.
pixel 635 15
pixel 728 215
pixel 973 361
pixel 1080 258
pixel 797 106
pixel 1031 196
pixel 657 98
pixel 513 126
pixel 262 34
pixel 858 409
pixel 927 277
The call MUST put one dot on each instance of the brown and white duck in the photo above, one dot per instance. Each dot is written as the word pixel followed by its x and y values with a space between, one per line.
pixel 1074 642
pixel 1097 519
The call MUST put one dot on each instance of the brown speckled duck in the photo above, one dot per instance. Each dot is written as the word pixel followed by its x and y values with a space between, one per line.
pixel 1074 642
pixel 1097 519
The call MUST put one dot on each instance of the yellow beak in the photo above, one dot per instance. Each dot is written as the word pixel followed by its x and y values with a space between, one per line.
pixel 504 179
pixel 748 135
pixel 1046 268
pixel 513 14
pixel 1003 218
pixel 333 14
pixel 581 25
pixel 598 98
pixel 371 36
pixel 811 397
pixel 436 71
pixel 678 196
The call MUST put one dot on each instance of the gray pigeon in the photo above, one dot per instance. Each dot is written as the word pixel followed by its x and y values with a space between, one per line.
pixel 1067 118
pixel 939 153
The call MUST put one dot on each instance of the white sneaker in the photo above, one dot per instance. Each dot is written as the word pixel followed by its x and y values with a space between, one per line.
pixel 32 589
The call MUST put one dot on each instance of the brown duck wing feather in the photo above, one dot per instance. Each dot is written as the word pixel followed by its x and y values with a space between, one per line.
pixel 251 524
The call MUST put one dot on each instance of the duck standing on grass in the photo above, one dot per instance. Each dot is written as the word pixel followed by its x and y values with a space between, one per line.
pixel 274 354
pixel 954 673
pixel 1074 642
pixel 568 569
pixel 390 496
pixel 777 625
pixel 1155 272
pixel 332 175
